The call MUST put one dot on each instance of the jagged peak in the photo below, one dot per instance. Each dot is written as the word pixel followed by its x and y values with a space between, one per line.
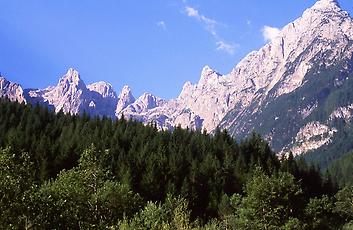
pixel 147 95
pixel 125 99
pixel 187 85
pixel 101 83
pixel 326 5
pixel 207 70
pixel 11 90
pixel 207 74
pixel 72 76
pixel 126 92
pixel 4 82
pixel 126 88
pixel 3 79
pixel 187 89
pixel 149 100
pixel 100 86
pixel 103 88
pixel 72 71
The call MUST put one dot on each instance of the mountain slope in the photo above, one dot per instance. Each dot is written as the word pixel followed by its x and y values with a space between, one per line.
pixel 12 91
pixel 342 170
pixel 322 36
pixel 295 90
pixel 310 62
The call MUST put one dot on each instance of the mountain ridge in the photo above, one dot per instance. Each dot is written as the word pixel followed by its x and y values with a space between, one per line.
pixel 304 51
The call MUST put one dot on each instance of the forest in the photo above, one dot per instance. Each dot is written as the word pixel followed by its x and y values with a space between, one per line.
pixel 342 170
pixel 62 171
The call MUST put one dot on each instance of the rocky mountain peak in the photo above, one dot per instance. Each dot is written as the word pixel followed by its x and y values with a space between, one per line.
pixel 143 104
pixel 3 81
pixel 72 77
pixel 329 10
pixel 12 91
pixel 208 75
pixel 186 91
pixel 320 39
pixel 326 5
pixel 104 89
pixel 125 99
pixel 148 100
pixel 187 85
pixel 126 92
pixel 68 95
pixel 207 71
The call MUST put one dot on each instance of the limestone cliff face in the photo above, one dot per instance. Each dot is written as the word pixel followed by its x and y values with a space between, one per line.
pixel 288 83
pixel 321 36
pixel 277 90
pixel 12 91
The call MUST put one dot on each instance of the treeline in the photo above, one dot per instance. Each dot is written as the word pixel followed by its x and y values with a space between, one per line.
pixel 63 171
pixel 342 170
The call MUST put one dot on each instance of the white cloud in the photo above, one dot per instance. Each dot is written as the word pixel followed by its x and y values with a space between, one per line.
pixel 192 12
pixel 226 47
pixel 210 26
pixel 269 33
pixel 162 25
pixel 209 23
pixel 248 22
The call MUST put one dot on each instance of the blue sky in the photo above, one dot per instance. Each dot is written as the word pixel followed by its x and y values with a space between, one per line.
pixel 153 46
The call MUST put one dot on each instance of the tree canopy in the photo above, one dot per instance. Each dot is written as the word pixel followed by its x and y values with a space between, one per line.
pixel 63 171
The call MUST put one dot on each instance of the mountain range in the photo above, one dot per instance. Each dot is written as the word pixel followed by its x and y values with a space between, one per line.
pixel 296 91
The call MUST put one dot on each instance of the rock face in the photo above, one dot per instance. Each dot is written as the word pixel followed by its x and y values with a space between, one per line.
pixel 312 136
pixel 103 99
pixel 69 95
pixel 125 98
pixel 104 89
pixel 295 90
pixel 298 92
pixel 199 106
pixel 12 91
pixel 321 38
pixel 344 113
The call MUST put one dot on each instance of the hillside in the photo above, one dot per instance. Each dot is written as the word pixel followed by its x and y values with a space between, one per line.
pixel 342 170
pixel 294 91
pixel 67 171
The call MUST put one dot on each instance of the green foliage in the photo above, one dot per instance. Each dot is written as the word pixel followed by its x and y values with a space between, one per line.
pixel 278 202
pixel 16 186
pixel 270 202
pixel 319 212
pixel 195 165
pixel 344 203
pixel 71 172
pixel 282 119
pixel 84 197
pixel 348 226
pixel 173 214
pixel 330 212
pixel 294 224
pixel 342 170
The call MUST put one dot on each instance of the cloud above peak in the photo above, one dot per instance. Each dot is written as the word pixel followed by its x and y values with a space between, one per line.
pixel 226 47
pixel 211 25
pixel 162 25
pixel 270 33
pixel 192 12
